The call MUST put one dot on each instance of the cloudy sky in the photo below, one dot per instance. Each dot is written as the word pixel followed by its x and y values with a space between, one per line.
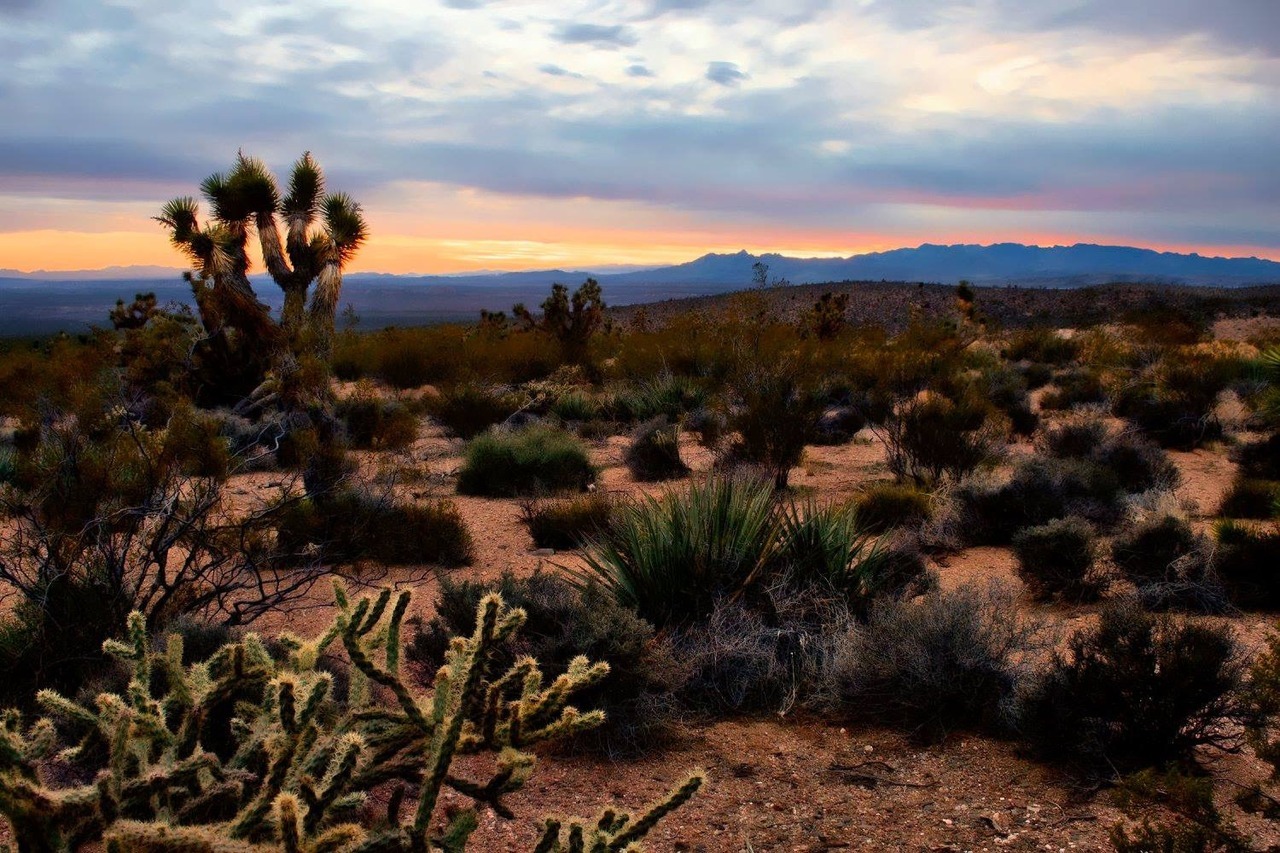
pixel 509 134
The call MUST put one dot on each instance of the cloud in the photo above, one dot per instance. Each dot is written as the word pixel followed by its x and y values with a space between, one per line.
pixel 638 71
pixel 558 71
pixel 725 73
pixel 596 35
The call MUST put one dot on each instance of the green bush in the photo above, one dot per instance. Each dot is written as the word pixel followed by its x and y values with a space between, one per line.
pixel 1260 459
pixel 576 407
pixel 954 660
pixel 775 415
pixel 932 436
pixel 671 557
pixel 1076 440
pixel 1135 691
pixel 468 409
pixel 654 452
pixel 1040 344
pixel 884 506
pixel 1055 560
pixel 567 522
pixel 1037 375
pixel 563 622
pixel 1170 566
pixel 534 460
pixel 1249 498
pixel 1137 464
pixel 1246 562
pixel 710 425
pixel 356 525
pixel 669 395
pixel 1039 491
pixel 374 424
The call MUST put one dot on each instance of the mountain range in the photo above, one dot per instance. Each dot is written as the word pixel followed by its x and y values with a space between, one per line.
pixel 46 301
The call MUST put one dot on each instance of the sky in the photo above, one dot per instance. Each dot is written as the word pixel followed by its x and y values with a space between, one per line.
pixel 500 134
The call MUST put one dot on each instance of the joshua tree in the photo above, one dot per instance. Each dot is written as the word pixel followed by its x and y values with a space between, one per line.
pixel 570 320
pixel 322 233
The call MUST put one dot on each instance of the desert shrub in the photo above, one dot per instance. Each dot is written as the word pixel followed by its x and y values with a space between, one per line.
pixel 354 524
pixel 401 367
pixel 1137 464
pixel 838 425
pixel 1055 560
pixel 1006 390
pixel 530 461
pixel 654 452
pixel 1169 564
pixel 1076 387
pixel 672 557
pixel 931 436
pixel 1170 418
pixel 1260 459
pixel 245 746
pixel 8 465
pixel 1040 344
pixel 885 506
pixel 1247 562
pixel 1076 440
pixel 375 424
pixel 563 622
pixel 954 660
pixel 1038 491
pixel 468 409
pixel 566 523
pixel 1135 691
pixel 1249 498
pixel 775 415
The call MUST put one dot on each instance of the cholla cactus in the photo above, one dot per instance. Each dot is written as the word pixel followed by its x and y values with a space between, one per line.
pixel 246 753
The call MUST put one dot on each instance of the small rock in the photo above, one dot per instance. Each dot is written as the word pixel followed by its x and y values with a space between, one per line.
pixel 545 552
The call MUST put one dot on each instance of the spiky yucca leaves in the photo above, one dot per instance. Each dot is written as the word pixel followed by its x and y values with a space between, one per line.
pixel 323 232
pixel 244 753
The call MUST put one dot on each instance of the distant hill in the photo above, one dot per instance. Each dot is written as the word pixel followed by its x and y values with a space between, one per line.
pixel 45 302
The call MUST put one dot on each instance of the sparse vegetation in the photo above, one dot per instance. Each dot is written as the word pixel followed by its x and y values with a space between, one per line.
pixel 533 460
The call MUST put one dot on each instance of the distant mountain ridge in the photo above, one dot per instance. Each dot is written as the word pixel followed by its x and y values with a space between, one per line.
pixel 946 264
pixel 41 303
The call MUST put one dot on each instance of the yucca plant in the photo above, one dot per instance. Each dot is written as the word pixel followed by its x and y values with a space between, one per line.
pixel 673 556
pixel 827 544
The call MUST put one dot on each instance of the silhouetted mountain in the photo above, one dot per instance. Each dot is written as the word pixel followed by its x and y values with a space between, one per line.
pixel 41 303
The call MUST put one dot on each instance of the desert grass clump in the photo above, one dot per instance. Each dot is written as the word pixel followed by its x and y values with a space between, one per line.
pixel 1055 560
pixel 1170 565
pixel 530 461
pixel 565 523
pixel 1077 439
pixel 1042 345
pixel 954 660
pixel 246 752
pixel 467 409
pixel 1259 459
pixel 576 407
pixel 654 452
pixel 670 395
pixel 885 506
pixel 1135 691
pixel 671 557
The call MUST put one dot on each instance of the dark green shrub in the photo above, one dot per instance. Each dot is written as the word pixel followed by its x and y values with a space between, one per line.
pixel 354 525
pixel 374 424
pixel 669 394
pixel 1055 560
pixel 563 622
pixel 1248 498
pixel 1137 464
pixel 1077 387
pixel 567 522
pixel 1260 459
pixel 710 425
pixel 1171 419
pixel 533 460
pixel 403 367
pixel 1039 491
pixel 670 558
pixel 1076 440
pixel 468 409
pixel 1152 551
pixel 1135 691
pixel 885 506
pixel 654 452
pixel 1247 562
pixel 954 660
pixel 775 415
pixel 576 407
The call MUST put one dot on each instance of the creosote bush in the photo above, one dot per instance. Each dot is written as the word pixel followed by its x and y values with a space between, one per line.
pixel 930 436
pixel 243 752
pixel 375 424
pixel 1135 691
pixel 1055 560
pixel 1039 490
pixel 885 506
pixel 468 409
pixel 529 461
